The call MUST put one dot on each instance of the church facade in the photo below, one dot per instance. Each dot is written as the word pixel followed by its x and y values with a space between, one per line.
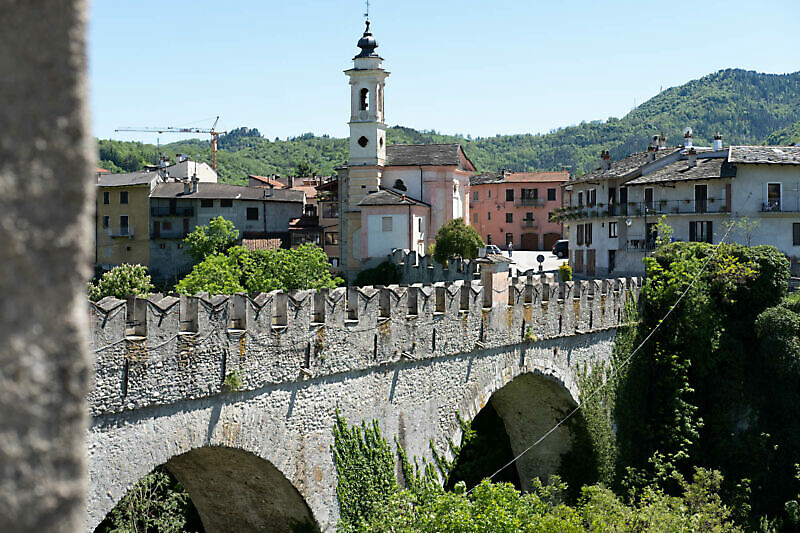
pixel 392 196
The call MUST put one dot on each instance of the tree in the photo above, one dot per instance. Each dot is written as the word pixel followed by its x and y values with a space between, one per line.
pixel 217 274
pixel 219 235
pixel 122 281
pixel 304 168
pixel 456 238
pixel 304 267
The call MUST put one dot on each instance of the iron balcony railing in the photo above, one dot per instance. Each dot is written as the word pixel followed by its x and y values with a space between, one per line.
pixel 178 211
pixel 640 245
pixel 168 234
pixel 778 206
pixel 529 223
pixel 534 202
pixel 655 208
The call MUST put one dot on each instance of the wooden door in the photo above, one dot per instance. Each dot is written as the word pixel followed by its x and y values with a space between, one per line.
pixel 530 241
pixel 550 240
pixel 590 260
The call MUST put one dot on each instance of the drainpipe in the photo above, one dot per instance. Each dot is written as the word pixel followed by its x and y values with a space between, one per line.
pixel 410 230
pixel 421 186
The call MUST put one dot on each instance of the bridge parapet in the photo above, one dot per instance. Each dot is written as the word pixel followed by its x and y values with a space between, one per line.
pixel 161 350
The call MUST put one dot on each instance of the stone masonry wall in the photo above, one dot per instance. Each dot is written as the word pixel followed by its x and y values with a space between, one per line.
pixel 411 357
pixel 161 350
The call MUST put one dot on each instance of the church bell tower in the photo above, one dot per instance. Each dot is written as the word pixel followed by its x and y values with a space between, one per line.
pixel 367 149
pixel 367 126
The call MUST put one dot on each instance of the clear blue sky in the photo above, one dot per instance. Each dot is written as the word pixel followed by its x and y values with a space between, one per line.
pixel 468 66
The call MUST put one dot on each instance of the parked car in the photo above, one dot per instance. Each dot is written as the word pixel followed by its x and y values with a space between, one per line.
pixel 492 249
pixel 561 248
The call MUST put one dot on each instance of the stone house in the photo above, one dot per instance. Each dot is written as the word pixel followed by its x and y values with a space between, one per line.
pixel 612 212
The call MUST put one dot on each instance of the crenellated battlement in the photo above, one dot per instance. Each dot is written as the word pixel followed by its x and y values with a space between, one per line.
pixel 160 350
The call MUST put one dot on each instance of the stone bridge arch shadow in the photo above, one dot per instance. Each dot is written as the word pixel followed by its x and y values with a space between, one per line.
pixel 236 490
pixel 515 411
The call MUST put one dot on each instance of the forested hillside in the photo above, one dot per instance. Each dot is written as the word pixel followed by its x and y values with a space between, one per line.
pixel 745 107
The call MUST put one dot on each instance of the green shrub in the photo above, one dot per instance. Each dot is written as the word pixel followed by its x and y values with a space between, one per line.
pixel 122 281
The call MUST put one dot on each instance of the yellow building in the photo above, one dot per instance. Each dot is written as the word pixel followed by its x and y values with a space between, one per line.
pixel 122 226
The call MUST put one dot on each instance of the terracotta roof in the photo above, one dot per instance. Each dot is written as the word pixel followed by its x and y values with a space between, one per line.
pixel 101 170
pixel 387 197
pixel 224 190
pixel 267 181
pixel 261 244
pixel 399 155
pixel 706 169
pixel 622 167
pixel 518 177
pixel 771 155
pixel 310 190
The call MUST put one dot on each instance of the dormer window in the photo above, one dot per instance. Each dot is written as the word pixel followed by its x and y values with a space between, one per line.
pixel 400 186
pixel 364 99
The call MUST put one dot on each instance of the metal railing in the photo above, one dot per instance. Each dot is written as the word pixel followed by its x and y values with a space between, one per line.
pixel 534 202
pixel 168 234
pixel 655 208
pixel 529 223
pixel 165 211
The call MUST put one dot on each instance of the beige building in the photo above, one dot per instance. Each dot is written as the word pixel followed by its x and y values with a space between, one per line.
pixel 123 218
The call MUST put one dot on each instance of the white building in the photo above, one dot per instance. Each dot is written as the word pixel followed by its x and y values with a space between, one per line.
pixel 611 212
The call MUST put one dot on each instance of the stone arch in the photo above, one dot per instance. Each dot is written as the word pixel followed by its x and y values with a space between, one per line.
pixel 530 401
pixel 235 490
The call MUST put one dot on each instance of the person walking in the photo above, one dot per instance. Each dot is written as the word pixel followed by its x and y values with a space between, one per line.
pixel 510 249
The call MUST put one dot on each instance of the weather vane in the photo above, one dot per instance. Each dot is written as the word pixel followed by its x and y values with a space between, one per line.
pixel 366 15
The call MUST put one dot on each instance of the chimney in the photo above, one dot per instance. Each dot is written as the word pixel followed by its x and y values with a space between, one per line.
pixel 661 143
pixel 187 187
pixel 290 181
pixel 717 142
pixel 651 151
pixel 687 135
pixel 691 155
pixel 605 160
pixel 195 182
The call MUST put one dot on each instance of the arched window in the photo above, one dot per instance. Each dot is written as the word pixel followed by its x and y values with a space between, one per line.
pixel 400 186
pixel 364 97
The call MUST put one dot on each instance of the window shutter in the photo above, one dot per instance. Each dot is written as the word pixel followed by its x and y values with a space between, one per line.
pixel 692 232
pixel 709 232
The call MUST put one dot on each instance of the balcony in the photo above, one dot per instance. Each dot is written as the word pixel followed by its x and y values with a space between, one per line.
pixel 168 234
pixel 529 223
pixel 124 231
pixel 639 245
pixel 529 202
pixel 778 206
pixel 177 211
pixel 655 208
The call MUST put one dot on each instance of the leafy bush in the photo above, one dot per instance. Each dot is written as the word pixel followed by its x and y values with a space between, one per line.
pixel 122 281
pixel 456 239
pixel 304 267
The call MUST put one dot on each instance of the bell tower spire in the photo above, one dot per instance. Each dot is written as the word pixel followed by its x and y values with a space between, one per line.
pixel 367 126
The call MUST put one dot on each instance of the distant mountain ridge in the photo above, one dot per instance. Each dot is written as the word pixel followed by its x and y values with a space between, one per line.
pixel 746 107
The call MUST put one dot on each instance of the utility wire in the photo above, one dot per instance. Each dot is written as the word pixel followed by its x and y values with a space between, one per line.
pixel 614 371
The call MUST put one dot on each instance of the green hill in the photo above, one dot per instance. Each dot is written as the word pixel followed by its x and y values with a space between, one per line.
pixel 746 107
pixel 786 136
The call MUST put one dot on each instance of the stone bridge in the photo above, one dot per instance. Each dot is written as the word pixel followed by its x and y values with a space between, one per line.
pixel 257 458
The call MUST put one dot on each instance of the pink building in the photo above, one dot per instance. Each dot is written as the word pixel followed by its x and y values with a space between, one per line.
pixel 516 207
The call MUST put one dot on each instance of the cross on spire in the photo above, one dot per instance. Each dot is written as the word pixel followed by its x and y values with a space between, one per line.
pixel 366 14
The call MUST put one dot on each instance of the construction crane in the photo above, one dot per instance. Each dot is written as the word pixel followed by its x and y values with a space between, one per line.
pixel 170 129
